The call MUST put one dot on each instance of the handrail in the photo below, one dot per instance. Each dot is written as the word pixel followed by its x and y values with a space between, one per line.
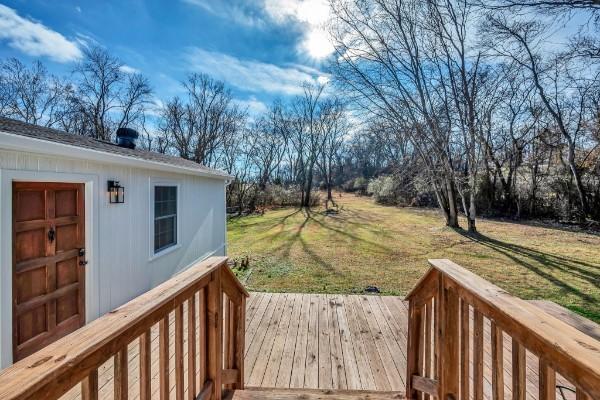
pixel 54 370
pixel 440 308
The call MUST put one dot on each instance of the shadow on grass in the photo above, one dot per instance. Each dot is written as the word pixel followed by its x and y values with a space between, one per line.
pixel 285 248
pixel 527 258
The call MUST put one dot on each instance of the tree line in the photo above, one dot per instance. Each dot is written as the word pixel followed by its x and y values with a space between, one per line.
pixel 463 105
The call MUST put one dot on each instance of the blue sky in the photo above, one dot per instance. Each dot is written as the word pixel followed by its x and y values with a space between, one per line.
pixel 263 49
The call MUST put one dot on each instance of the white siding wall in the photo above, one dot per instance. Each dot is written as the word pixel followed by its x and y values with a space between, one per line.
pixel 120 268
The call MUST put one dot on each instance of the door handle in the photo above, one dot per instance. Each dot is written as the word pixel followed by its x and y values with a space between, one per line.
pixel 82 254
pixel 51 234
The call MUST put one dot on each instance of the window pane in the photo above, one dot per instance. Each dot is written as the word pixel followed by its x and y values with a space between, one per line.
pixel 165 217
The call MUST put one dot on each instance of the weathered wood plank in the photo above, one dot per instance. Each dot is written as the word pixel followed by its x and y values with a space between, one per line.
pixel 338 370
pixel 353 381
pixel 378 369
pixel 324 358
pixel 365 373
pixel 270 333
pixel 284 374
pixel 311 374
pixel 277 347
pixel 301 345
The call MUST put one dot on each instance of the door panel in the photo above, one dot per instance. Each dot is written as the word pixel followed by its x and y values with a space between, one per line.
pixel 48 280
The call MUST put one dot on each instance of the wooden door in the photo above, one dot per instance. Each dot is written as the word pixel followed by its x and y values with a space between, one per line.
pixel 48 263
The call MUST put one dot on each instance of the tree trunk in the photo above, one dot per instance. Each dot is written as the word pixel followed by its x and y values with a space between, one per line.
pixel 472 212
pixel 308 188
pixel 452 220
pixel 578 183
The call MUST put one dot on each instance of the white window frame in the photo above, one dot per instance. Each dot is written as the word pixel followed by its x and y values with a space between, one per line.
pixel 154 182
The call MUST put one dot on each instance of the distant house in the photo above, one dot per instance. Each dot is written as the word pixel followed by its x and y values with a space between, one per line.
pixel 86 225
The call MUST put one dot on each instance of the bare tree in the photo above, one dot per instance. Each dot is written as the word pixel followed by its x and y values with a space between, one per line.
pixel 387 58
pixel 561 89
pixel 30 94
pixel 334 129
pixel 198 126
pixel 107 98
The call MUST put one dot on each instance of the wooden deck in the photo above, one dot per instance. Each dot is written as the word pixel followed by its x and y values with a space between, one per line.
pixel 326 341
pixel 317 341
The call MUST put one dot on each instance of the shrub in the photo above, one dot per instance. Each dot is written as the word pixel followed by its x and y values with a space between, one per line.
pixel 360 185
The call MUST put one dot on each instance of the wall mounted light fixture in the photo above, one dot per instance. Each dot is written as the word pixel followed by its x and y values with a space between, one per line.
pixel 116 192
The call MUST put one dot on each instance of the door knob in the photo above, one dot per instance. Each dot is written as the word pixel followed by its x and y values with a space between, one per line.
pixel 51 234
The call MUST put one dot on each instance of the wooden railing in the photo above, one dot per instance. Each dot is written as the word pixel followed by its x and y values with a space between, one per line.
pixel 466 335
pixel 207 295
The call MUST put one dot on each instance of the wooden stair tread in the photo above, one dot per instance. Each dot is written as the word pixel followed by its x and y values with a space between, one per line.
pixel 310 394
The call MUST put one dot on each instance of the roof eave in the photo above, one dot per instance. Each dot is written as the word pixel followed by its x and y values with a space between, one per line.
pixel 11 141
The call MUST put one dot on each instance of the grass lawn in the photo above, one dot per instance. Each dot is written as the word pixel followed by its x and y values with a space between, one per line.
pixel 368 244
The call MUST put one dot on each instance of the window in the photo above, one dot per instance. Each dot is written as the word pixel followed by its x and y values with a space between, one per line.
pixel 165 217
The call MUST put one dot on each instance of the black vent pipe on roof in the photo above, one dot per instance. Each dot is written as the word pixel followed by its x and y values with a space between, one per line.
pixel 126 137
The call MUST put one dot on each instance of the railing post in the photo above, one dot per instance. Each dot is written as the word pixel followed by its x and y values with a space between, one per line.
pixel 414 339
pixel 214 308
pixel 448 366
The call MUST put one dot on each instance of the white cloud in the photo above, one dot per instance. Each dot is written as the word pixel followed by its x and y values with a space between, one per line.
pixel 241 12
pixel 251 75
pixel 128 69
pixel 252 105
pixel 312 15
pixel 34 38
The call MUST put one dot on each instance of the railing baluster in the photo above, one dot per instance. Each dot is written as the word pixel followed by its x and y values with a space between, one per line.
pixel 179 352
pixel 428 310
pixel 202 349
pixel 89 386
pixel 421 349
pixel 547 381
pixel 163 357
pixel 145 374
pixel 226 334
pixel 121 379
pixel 497 362
pixel 192 347
pixel 240 340
pixel 465 336
pixel 414 337
pixel 518 371
pixel 214 333
pixel 477 355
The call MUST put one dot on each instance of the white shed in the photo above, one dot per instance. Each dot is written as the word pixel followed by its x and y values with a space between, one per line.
pixel 68 254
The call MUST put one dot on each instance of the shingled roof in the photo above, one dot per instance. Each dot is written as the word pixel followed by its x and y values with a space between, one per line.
pixel 53 135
